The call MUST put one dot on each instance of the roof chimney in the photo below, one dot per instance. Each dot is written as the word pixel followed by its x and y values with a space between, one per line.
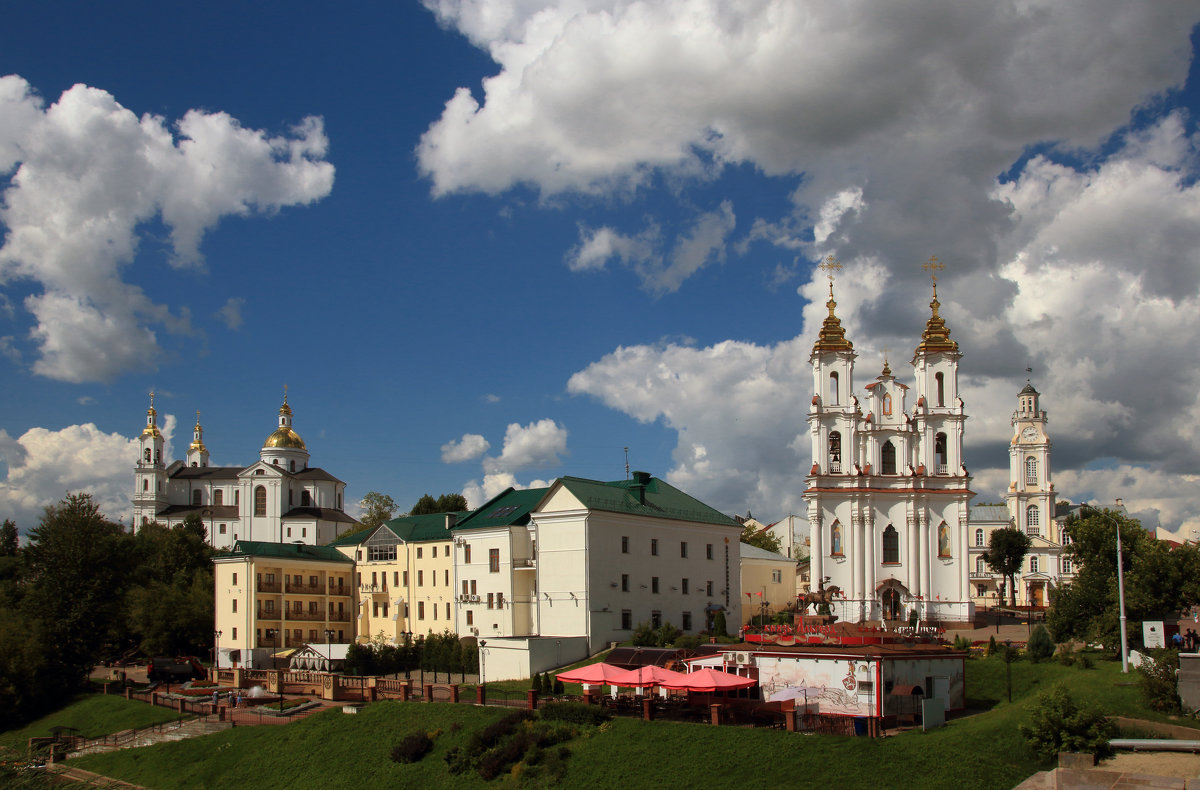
pixel 640 481
pixel 451 520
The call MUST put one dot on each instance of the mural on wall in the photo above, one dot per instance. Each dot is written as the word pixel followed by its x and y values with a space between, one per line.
pixel 836 680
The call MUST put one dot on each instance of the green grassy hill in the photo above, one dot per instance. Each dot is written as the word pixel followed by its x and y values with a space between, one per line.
pixel 332 749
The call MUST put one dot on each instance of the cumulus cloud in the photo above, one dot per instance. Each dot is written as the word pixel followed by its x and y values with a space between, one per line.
pixel 230 313
pixel 538 445
pixel 468 448
pixel 87 174
pixel 99 463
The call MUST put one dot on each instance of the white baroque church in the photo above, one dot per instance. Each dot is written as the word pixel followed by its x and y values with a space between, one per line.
pixel 277 499
pixel 888 493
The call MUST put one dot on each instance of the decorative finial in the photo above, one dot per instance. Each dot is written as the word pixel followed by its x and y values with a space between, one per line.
pixel 284 394
pixel 1028 379
pixel 830 265
pixel 887 370
pixel 197 418
pixel 933 266
pixel 152 398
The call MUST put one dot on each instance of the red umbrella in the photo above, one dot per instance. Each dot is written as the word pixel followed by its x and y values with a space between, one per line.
pixel 709 679
pixel 594 674
pixel 649 675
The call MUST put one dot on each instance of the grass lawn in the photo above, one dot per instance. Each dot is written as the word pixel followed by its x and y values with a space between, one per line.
pixel 983 750
pixel 93 715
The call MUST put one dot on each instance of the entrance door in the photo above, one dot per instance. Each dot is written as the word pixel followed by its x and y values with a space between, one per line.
pixel 891 604
pixel 1037 593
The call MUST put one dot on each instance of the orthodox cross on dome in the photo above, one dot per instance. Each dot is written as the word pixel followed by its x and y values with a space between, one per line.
pixel 830 266
pixel 285 394
pixel 197 416
pixel 933 266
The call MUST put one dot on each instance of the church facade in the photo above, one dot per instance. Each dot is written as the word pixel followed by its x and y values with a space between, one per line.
pixel 888 493
pixel 277 499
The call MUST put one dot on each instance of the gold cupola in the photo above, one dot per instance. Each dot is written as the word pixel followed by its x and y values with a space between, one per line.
pixel 151 429
pixel 284 437
pixel 833 335
pixel 936 337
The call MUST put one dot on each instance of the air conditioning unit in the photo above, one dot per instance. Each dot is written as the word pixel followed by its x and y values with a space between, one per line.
pixel 743 659
pixel 475 632
pixel 474 599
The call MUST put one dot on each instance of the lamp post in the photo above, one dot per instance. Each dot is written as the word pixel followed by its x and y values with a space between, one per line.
pixel 329 649
pixel 1120 582
pixel 996 606
pixel 216 650
pixel 482 676
pixel 407 654
pixel 271 634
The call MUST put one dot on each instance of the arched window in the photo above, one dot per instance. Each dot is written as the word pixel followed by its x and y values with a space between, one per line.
pixel 1031 521
pixel 218 497
pixel 260 501
pixel 835 539
pixel 1031 475
pixel 194 464
pixel 237 497
pixel 891 544
pixel 305 498
pixel 939 453
pixel 887 404
pixel 290 495
pixel 943 540
pixel 888 461
pixel 339 501
pixel 835 453
pixel 147 455
pixel 940 379
pixel 196 497
pixel 979 537
pixel 833 388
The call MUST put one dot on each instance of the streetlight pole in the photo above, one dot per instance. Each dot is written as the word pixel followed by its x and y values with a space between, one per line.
pixel 1120 583
pixel 329 650
pixel 482 676
pixel 216 651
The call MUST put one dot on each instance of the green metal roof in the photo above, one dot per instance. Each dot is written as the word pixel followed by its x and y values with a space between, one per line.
pixel 292 551
pixel 507 508
pixel 644 496
pixel 410 529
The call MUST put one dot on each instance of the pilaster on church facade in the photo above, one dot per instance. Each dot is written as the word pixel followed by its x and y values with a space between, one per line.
pixel 888 489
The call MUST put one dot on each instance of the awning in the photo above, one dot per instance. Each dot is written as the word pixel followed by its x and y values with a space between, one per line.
pixel 286 653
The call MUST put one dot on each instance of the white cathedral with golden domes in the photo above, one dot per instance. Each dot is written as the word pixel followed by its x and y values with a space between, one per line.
pixel 277 499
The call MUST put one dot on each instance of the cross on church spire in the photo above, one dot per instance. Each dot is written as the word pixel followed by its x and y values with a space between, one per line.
pixel 830 265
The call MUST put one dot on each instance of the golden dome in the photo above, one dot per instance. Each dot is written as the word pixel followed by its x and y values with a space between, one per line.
pixel 150 430
pixel 286 438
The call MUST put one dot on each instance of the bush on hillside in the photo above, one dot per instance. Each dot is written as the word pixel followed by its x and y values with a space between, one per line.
pixel 1059 724
pixel 1157 677
pixel 412 747
pixel 1041 646
pixel 688 642
pixel 575 713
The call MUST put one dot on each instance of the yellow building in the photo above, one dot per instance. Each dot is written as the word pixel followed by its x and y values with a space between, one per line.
pixel 275 596
pixel 404 576
pixel 768 581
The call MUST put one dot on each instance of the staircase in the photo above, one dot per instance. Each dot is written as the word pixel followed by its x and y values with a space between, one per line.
pixel 162 733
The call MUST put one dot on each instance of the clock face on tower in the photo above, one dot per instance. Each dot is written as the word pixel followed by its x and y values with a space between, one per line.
pixel 1029 434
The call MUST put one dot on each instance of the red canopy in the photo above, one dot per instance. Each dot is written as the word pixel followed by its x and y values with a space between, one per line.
pixel 709 679
pixel 595 674
pixel 649 675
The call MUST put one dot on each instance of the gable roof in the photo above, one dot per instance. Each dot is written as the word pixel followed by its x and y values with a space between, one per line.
pixel 644 496
pixel 508 508
pixel 428 526
pixel 292 551
pixel 989 513
pixel 749 552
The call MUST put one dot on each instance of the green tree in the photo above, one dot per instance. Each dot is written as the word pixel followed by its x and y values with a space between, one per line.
pixel 446 503
pixel 78 568
pixel 376 509
pixel 170 600
pixel 1060 724
pixel 1040 646
pixel 9 545
pixel 1005 553
pixel 762 539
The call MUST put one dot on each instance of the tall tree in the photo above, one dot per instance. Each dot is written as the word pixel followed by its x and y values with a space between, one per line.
pixel 446 503
pixel 1005 553
pixel 8 539
pixel 762 539
pixel 376 509
pixel 170 604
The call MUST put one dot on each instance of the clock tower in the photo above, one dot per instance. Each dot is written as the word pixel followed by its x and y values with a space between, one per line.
pixel 1030 491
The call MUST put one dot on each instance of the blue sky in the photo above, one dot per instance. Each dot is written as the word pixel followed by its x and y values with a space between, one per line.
pixel 556 230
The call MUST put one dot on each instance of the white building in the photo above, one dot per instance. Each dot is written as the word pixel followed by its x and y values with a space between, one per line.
pixel 279 498
pixel 888 493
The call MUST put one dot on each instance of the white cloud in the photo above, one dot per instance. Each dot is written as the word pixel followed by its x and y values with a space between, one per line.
pixel 230 313
pixel 89 173
pixel 478 493
pixel 536 445
pixel 468 448
pixel 43 465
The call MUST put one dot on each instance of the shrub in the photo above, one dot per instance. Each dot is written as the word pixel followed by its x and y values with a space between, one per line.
pixel 1158 681
pixel 412 748
pixel 644 635
pixel 1059 724
pixel 1040 646
pixel 575 713
pixel 558 687
pixel 961 643
pixel 719 623
pixel 688 642
pixel 991 646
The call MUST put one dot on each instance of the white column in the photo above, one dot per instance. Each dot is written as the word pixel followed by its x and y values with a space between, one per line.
pixel 923 554
pixel 817 549
pixel 853 547
pixel 913 565
pixel 869 562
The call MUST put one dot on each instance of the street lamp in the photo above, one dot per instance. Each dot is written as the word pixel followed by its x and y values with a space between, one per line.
pixel 996 606
pixel 271 633
pixel 329 649
pixel 216 650
pixel 482 676
pixel 1120 581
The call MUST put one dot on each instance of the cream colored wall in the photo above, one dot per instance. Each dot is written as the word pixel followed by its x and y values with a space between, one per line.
pixel 758 576
pixel 432 583
pixel 496 621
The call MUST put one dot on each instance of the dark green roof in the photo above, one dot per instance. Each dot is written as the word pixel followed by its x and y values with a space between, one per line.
pixel 644 496
pixel 410 529
pixel 292 551
pixel 508 508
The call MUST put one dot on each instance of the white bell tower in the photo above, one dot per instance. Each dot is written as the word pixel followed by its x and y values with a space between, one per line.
pixel 150 473
pixel 1030 495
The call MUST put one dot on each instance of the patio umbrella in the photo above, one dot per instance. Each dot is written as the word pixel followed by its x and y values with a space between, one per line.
pixel 649 675
pixel 709 679
pixel 593 674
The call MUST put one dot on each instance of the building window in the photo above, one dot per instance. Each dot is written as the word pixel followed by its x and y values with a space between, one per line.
pixel 467 553
pixel 776 577
pixel 708 588
pixel 980 590
pixel 708 551
pixel 420 610
pixel 435 611
pixel 654 547
pixel 888 459
pixel 626 620
pixel 196 497
pixel 235 634
pixel 683 549
pixel 221 528
pixel 234 604
pixel 1033 564
pixel 1066 565
pixel 218 497
pixel 494 560
pixel 420 578
pixel 1031 474
pixel 434 555
pixel 939 455
pixel 980 565
pixel 499 600
pixel 395 578
pixel 624 544
pixel 374 608
pixel 653 584
pixel 1031 521
pixel 305 498
pixel 289 532
pixel 624 582
pixel 404 575
pixel 979 538
pixel 260 501
pixel 491 600
pixel 835 453
pixel 470 617
pixel 447 611
pixel 418 552
pixel 446 577
pixel 656 619
pixel 891 545
pixel 145 485
pixel 683 585
pixel 686 621
pixel 235 580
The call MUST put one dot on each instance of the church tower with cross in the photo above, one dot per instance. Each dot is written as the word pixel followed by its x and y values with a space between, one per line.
pixel 887 491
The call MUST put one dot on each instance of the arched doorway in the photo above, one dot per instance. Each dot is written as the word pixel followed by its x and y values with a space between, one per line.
pixel 891 598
